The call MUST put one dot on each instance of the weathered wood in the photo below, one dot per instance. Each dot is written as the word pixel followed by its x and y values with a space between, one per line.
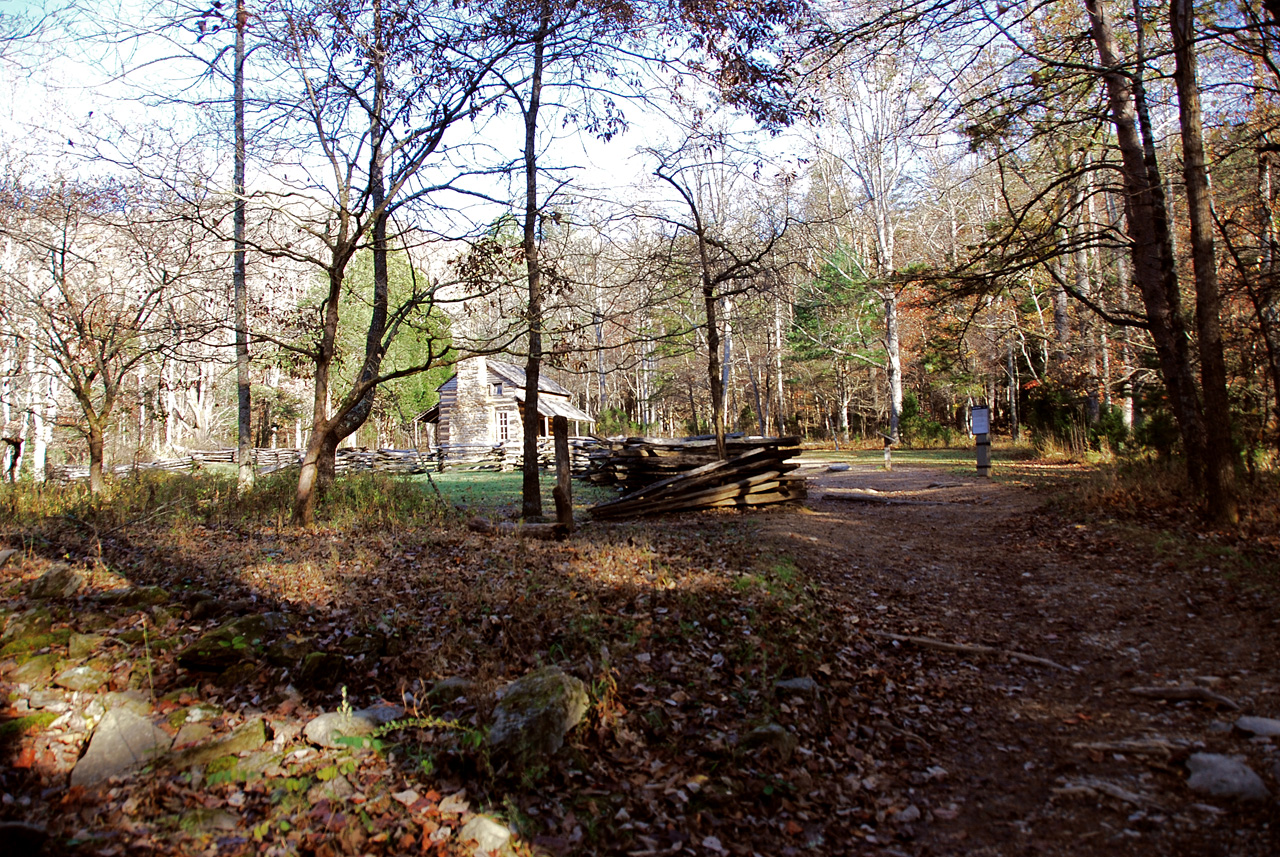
pixel 968 649
pixel 1187 692
pixel 527 531
pixel 563 492
pixel 862 497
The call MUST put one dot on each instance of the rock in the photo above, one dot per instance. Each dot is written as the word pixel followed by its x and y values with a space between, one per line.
pixel 235 641
pixel 290 650
pixel 203 820
pixel 488 834
pixel 364 645
pixel 52 699
pixel 321 669
pixel 910 815
pixel 250 736
pixel 61 581
pixel 207 608
pixel 837 468
pixel 326 729
pixel 448 690
pixel 36 670
pixel 93 620
pixel 771 736
pixel 6 555
pixel 134 700
pixel 135 596
pixel 803 685
pixel 162 616
pixel 337 789
pixel 534 714
pixel 85 679
pixel 192 733
pixel 123 742
pixel 32 623
pixel 84 645
pixel 194 714
pixel 1224 776
pixel 237 674
pixel 1263 727
pixel 263 763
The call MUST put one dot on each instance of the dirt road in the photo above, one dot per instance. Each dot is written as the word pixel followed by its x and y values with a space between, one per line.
pixel 1019 757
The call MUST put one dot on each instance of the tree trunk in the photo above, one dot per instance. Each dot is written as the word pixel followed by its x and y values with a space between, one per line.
pixel 244 422
pixel 95 457
pixel 1220 459
pixel 710 301
pixel 531 490
pixel 893 361
pixel 1153 269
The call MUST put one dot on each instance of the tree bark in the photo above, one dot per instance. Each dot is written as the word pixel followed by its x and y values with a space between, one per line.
pixel 244 427
pixel 1220 458
pixel 1153 269
pixel 531 490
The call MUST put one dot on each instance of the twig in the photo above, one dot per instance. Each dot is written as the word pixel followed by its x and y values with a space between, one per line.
pixel 970 649
pixel 860 497
pixel 1186 692
pixel 1133 746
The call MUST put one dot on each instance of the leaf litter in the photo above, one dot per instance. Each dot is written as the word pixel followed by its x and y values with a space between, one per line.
pixel 741 702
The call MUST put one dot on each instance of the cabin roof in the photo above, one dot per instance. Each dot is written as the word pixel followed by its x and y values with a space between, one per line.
pixel 513 375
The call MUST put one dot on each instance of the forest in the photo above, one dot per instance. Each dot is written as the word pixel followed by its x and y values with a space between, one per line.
pixel 257 236
pixel 777 218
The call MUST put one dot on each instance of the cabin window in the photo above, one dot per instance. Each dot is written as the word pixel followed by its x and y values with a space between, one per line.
pixel 504 425
pixel 496 389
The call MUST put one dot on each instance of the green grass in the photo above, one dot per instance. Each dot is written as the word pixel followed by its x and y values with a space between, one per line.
pixel 483 490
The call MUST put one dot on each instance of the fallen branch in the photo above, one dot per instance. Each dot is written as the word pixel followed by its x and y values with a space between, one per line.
pixel 970 649
pixel 1186 692
pixel 862 497
pixel 546 532
pixel 1092 785
pixel 1133 746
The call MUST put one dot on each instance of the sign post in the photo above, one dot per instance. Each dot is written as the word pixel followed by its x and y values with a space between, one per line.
pixel 980 419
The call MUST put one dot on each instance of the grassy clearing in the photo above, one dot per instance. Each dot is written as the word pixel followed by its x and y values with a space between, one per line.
pixel 488 491
pixel 364 500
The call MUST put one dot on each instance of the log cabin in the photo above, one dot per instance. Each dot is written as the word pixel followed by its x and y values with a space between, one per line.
pixel 484 404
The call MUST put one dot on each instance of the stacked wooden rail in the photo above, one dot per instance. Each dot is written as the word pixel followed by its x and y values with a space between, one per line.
pixel 350 460
pixel 639 461
pixel 757 473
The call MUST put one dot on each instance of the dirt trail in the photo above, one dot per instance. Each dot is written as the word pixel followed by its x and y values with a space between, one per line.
pixel 964 560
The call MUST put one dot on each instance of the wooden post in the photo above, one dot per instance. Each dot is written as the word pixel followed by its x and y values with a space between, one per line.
pixel 981 420
pixel 563 492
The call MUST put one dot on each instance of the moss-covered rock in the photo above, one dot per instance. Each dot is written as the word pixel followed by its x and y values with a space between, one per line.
pixel 321 669
pixel 84 645
pixel 85 679
pixel 61 581
pixel 533 716
pixel 135 596
pixel 194 714
pixel 241 639
pixel 250 736
pixel 290 650
pixel 93 621
pixel 364 644
pixel 35 670
pixel 35 642
pixel 27 725
pixel 30 623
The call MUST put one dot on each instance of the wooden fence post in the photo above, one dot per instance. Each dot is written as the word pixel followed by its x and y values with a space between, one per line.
pixel 563 492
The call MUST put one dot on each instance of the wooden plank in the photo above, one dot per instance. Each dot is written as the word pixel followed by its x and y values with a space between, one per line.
pixel 675 500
